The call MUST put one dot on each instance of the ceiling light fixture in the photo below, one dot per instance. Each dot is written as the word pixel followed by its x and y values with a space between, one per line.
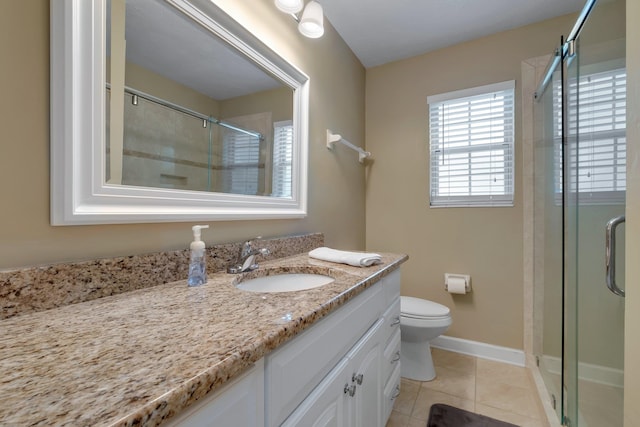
pixel 290 6
pixel 311 22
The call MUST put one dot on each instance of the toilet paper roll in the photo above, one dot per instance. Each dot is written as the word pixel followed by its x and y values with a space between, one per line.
pixel 456 285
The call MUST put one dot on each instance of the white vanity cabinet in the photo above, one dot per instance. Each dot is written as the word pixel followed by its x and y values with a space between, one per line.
pixel 239 404
pixel 342 371
pixel 336 373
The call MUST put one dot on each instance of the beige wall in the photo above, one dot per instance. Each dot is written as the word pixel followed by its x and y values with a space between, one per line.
pixel 336 181
pixel 169 90
pixel 632 300
pixel 275 101
pixel 486 243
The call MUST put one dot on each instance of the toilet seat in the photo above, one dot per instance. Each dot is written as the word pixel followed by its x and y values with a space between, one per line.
pixel 417 308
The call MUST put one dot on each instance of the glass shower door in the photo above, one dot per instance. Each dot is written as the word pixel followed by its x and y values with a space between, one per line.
pixel 594 178
pixel 579 195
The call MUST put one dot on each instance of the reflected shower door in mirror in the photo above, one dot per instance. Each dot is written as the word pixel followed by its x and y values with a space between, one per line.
pixel 186 111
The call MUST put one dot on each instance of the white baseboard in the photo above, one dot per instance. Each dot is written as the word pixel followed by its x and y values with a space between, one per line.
pixel 481 350
pixel 587 371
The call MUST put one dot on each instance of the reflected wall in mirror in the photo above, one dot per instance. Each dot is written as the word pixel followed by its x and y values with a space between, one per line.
pixel 168 110
pixel 192 114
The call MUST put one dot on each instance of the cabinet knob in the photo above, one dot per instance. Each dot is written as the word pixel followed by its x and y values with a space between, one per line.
pixel 350 390
pixel 396 321
pixel 357 378
pixel 396 358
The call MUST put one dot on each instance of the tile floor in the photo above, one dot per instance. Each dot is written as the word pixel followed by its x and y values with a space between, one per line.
pixel 600 404
pixel 498 390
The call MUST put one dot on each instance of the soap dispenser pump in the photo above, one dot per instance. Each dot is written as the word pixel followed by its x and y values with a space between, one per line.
pixel 198 262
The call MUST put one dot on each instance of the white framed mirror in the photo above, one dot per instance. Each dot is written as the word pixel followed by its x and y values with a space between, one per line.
pixel 143 129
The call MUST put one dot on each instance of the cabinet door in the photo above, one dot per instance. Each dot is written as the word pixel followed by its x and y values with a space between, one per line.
pixel 364 407
pixel 326 405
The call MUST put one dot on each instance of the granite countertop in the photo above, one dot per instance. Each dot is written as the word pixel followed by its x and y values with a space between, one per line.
pixel 140 357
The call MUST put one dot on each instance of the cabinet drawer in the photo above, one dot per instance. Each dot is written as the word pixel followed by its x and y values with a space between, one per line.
pixel 391 321
pixel 295 369
pixel 391 393
pixel 391 356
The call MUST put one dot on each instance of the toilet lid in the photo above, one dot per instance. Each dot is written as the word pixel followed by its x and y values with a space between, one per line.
pixel 422 308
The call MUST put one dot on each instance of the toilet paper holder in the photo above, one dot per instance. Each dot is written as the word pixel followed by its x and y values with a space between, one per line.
pixel 450 278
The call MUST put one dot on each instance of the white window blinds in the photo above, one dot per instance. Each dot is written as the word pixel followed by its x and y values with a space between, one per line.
pixel 241 162
pixel 471 146
pixel 597 137
pixel 282 158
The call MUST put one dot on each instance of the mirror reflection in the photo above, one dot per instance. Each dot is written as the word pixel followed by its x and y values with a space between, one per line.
pixel 185 111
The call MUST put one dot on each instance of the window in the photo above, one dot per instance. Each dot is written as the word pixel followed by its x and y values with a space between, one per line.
pixel 282 158
pixel 471 146
pixel 241 162
pixel 597 117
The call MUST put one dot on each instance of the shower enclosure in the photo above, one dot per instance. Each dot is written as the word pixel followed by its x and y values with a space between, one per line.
pixel 169 146
pixel 579 206
pixel 165 145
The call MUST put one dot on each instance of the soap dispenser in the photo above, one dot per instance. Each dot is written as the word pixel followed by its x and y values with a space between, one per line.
pixel 198 261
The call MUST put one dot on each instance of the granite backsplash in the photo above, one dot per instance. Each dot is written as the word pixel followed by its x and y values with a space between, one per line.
pixel 42 288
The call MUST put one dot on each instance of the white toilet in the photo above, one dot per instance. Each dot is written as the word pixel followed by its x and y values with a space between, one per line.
pixel 420 322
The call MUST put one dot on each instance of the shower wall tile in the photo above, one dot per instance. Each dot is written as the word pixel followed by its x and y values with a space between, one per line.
pixel 532 71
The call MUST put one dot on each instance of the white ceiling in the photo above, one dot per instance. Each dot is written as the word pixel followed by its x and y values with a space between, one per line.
pixel 162 40
pixel 378 31
pixel 381 31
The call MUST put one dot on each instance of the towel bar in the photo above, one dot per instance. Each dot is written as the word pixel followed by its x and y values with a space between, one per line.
pixel 333 138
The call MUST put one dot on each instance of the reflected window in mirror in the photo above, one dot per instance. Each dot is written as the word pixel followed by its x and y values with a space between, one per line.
pixel 282 158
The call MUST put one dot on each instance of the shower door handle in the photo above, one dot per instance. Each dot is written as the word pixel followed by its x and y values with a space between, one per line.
pixel 610 254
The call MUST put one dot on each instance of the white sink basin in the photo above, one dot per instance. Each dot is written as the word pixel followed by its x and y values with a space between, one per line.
pixel 287 282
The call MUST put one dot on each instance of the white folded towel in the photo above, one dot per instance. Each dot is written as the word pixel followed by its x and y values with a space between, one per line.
pixel 357 259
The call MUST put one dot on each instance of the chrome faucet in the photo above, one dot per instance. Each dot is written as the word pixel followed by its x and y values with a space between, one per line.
pixel 246 258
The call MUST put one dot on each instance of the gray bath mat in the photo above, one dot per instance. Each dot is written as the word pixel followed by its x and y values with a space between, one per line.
pixel 442 415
